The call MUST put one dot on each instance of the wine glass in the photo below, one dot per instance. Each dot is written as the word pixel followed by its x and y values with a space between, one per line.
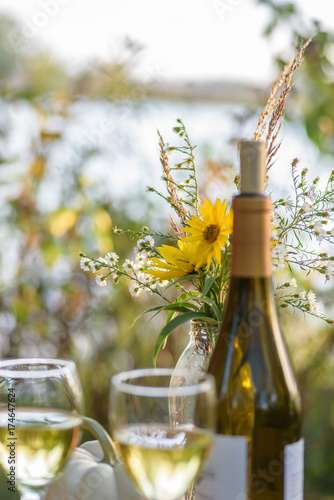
pixel 161 453
pixel 40 406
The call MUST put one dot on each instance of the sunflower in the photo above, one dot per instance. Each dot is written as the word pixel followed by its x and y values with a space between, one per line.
pixel 209 232
pixel 177 261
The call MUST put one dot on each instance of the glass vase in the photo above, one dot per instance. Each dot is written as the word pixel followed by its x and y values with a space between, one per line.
pixel 195 360
pixel 196 356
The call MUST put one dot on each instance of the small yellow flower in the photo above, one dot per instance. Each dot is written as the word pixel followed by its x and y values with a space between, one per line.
pixel 177 261
pixel 210 232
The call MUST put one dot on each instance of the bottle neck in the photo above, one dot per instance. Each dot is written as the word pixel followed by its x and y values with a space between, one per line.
pixel 251 246
pixel 248 292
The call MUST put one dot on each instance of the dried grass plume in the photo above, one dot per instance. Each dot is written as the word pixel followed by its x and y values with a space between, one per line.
pixel 275 106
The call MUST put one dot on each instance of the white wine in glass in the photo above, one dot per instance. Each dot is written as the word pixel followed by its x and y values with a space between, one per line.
pixel 162 455
pixel 40 407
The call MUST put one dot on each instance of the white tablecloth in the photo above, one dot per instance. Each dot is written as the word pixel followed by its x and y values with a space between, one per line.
pixel 85 479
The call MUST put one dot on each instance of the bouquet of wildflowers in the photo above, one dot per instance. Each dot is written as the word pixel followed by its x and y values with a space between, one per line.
pixel 194 258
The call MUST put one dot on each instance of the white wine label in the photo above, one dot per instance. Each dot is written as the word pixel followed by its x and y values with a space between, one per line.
pixel 294 471
pixel 225 475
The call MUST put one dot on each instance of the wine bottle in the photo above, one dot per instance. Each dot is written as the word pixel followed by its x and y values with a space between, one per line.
pixel 258 451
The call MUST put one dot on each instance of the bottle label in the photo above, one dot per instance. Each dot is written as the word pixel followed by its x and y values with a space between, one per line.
pixel 226 471
pixel 294 471
pixel 225 475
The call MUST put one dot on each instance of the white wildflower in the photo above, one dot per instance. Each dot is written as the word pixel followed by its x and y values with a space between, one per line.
pixel 293 283
pixel 329 269
pixel 137 265
pixel 289 202
pixel 275 220
pixel 311 297
pixel 143 277
pixel 148 282
pixel 101 280
pixel 312 194
pixel 332 231
pixel 306 207
pixel 320 233
pixel 128 265
pixel 302 295
pixel 95 266
pixel 144 243
pixel 85 263
pixel 278 255
pixel 111 258
pixel 279 250
pixel 140 245
pixel 135 290
pixel 153 285
pixel 274 235
pixel 144 255
pixel 150 241
pixel 151 264
pixel 140 261
pixel 162 283
pixel 317 308
pixel 278 265
pixel 321 236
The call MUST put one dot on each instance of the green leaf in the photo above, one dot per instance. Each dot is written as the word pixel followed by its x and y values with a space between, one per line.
pixel 270 28
pixel 213 306
pixel 187 277
pixel 172 311
pixel 209 280
pixel 211 303
pixel 171 325
pixel 179 308
pixel 152 309
pixel 184 298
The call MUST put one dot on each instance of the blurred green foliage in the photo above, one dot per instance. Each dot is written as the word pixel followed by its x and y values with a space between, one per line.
pixel 48 305
pixel 314 87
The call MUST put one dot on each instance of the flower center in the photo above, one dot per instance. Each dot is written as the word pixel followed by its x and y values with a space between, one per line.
pixel 211 233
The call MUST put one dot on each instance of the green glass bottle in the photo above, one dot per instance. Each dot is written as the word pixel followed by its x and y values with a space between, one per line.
pixel 259 451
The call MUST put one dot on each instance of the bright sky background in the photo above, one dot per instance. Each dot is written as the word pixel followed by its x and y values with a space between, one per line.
pixel 182 39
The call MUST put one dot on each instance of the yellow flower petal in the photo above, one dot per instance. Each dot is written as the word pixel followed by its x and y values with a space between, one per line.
pixel 162 264
pixel 210 232
pixel 166 275
pixel 176 263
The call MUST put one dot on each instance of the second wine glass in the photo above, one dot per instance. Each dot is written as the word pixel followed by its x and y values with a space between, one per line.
pixel 162 454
